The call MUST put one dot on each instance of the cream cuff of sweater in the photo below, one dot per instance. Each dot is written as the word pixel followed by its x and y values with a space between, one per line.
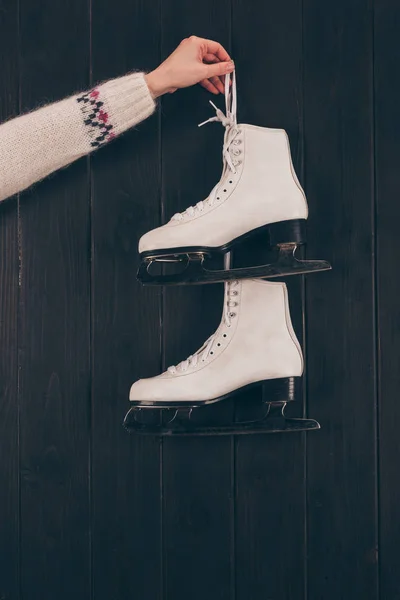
pixel 128 101
pixel 38 143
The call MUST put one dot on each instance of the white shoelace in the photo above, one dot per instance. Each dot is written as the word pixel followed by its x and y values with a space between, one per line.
pixel 229 121
pixel 203 353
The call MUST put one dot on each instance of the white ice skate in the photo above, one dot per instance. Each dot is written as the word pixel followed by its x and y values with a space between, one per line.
pixel 258 192
pixel 254 345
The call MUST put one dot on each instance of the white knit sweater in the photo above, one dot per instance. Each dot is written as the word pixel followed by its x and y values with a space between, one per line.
pixel 35 144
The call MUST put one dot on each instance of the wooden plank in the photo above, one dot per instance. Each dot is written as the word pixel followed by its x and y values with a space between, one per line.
pixel 196 472
pixel 54 340
pixel 342 528
pixel 270 488
pixel 387 137
pixel 197 518
pixel 126 321
pixel 9 420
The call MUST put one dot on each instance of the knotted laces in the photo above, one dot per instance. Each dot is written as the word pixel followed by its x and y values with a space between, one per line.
pixel 229 121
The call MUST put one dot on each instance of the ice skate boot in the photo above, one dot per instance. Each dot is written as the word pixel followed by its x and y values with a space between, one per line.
pixel 258 193
pixel 254 347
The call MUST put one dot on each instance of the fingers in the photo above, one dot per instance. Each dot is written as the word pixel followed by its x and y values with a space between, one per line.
pixel 210 47
pixel 212 59
pixel 209 86
pixel 216 49
pixel 218 69
pixel 217 83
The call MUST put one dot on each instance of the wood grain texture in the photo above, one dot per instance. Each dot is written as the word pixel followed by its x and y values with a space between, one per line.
pixel 54 317
pixel 125 321
pixel 197 519
pixel 196 523
pixel 342 528
pixel 90 512
pixel 387 152
pixel 9 417
pixel 270 486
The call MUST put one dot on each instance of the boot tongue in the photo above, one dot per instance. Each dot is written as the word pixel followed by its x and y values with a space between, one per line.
pixel 229 121
pixel 207 348
pixel 193 359
pixel 228 165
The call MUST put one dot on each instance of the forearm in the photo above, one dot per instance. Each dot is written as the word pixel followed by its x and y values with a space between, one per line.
pixel 36 144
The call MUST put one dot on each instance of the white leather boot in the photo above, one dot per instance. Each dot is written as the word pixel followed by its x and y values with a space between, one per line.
pixel 254 343
pixel 258 189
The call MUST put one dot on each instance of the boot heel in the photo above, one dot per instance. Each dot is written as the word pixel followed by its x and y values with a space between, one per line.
pixel 280 390
pixel 288 232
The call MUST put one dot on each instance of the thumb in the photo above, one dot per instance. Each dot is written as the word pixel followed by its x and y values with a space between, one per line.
pixel 221 68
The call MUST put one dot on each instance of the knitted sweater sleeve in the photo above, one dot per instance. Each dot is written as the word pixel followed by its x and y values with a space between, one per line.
pixel 35 144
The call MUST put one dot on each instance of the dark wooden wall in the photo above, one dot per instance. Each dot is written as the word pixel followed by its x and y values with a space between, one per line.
pixel 87 511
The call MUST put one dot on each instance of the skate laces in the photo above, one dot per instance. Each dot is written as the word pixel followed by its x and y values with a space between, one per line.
pixel 208 346
pixel 229 121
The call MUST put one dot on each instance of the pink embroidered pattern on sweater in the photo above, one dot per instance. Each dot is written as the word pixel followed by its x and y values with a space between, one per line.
pixel 95 118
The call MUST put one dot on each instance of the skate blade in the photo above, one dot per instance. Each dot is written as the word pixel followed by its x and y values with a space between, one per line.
pixel 181 428
pixel 262 417
pixel 196 273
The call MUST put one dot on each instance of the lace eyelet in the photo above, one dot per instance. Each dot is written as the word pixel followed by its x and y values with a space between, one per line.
pixel 211 352
pixel 232 314
pixel 218 344
pixel 231 181
pixel 224 335
pixel 224 190
pixel 218 198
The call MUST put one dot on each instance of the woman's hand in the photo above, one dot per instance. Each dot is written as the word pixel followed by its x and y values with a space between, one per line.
pixel 196 60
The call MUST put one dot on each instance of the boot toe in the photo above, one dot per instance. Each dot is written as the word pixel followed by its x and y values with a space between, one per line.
pixel 151 240
pixel 167 236
pixel 159 388
pixel 142 391
pixel 157 239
